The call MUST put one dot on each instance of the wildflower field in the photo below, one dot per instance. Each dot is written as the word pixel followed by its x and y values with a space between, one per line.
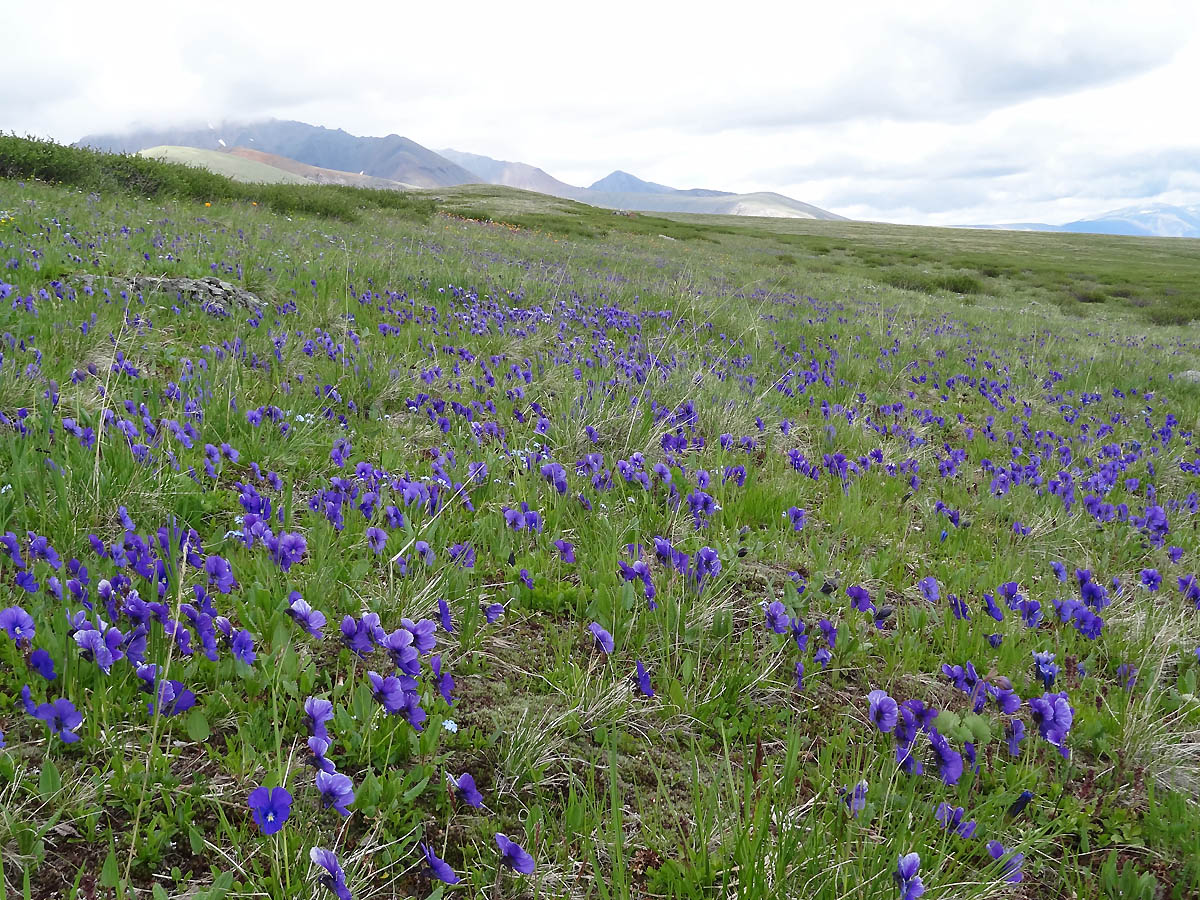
pixel 513 553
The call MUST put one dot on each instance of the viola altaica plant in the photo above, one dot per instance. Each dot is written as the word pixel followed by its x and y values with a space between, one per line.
pixel 454 559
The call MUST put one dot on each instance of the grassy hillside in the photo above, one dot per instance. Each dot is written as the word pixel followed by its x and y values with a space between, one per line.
pixel 1156 279
pixel 728 557
pixel 235 167
pixel 109 174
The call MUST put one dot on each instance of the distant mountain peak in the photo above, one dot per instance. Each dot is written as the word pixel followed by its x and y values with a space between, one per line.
pixel 618 182
pixel 1145 220
pixel 512 174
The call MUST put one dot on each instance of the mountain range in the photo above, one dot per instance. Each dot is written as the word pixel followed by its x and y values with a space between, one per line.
pixel 288 151
pixel 394 158
pixel 315 153
pixel 1153 220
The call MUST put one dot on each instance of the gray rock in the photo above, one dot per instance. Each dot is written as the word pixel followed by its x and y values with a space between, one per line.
pixel 1192 375
pixel 216 297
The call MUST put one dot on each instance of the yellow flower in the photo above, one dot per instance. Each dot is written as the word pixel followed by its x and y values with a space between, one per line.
pixel 206 203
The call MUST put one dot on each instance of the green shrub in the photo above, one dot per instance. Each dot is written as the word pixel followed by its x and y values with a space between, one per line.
pixel 908 280
pixel 1090 295
pixel 959 283
pixel 1172 315
pixel 911 280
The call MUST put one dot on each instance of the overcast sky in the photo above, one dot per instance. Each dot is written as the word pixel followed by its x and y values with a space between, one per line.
pixel 925 112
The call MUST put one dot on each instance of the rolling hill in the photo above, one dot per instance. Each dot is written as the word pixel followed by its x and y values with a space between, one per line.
pixel 765 203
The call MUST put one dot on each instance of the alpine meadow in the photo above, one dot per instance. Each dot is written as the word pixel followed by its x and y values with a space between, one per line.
pixel 470 542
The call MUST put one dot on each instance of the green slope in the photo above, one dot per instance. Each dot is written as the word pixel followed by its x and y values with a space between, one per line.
pixel 230 166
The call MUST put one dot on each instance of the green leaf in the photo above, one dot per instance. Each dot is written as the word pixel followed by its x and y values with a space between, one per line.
pixel 288 662
pixel 415 791
pixel 221 886
pixel 367 796
pixel 675 691
pixel 980 728
pixel 281 636
pixel 196 841
pixel 159 892
pixel 688 669
pixel 947 721
pixel 49 781
pixel 628 601
pixel 110 874
pixel 197 726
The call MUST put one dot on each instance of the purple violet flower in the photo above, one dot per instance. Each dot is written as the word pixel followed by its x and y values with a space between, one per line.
pixel 513 855
pixel 437 867
pixel 18 625
pixel 336 790
pixel 464 787
pixel 884 712
pixel 604 640
pixel 60 717
pixel 334 878
pixel 271 808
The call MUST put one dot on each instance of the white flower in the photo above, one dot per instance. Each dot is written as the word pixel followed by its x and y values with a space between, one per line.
pixel 450 725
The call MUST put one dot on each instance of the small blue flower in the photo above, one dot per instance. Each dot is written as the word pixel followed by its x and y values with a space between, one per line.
pixel 855 798
pixel 243 647
pixel 777 618
pixel 60 716
pixel 906 876
pixel 643 680
pixel 951 819
pixel 40 662
pixel 438 868
pixel 603 639
pixel 271 808
pixel 514 856
pixel 334 878
pixel 18 625
pixel 465 789
pixel 336 790
pixel 884 712
pixel 1010 862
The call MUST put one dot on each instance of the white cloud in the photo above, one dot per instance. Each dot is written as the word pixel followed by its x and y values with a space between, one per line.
pixel 937 112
